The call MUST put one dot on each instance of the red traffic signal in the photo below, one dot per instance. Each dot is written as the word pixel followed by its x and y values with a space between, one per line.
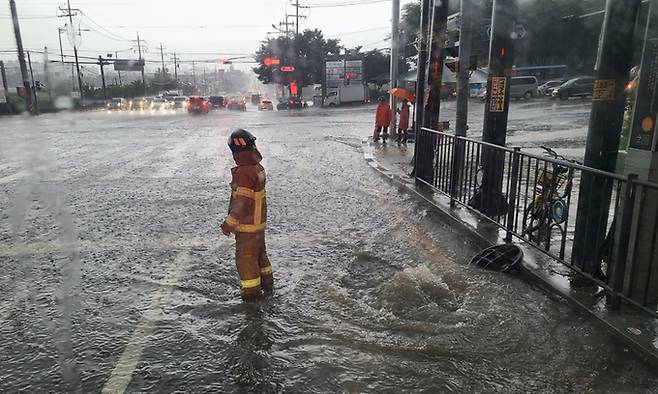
pixel 287 69
pixel 222 61
pixel 271 61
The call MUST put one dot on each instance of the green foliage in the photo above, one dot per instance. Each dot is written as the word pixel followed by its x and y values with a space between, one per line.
pixel 377 62
pixel 306 52
pixel 556 32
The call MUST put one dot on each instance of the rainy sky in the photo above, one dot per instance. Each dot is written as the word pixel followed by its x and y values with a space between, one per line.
pixel 195 29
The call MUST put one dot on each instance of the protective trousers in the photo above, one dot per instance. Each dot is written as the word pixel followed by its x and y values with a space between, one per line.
pixel 253 265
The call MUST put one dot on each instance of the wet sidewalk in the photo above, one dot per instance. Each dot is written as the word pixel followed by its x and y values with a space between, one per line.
pixel 636 330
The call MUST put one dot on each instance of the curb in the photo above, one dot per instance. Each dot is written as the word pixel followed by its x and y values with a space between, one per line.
pixel 645 345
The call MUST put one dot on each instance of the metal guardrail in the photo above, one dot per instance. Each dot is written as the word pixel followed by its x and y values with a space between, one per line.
pixel 537 203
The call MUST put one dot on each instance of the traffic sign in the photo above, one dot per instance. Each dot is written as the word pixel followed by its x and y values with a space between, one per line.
pixel 287 69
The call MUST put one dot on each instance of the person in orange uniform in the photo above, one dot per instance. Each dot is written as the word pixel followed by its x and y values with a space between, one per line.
pixel 382 120
pixel 247 216
pixel 403 124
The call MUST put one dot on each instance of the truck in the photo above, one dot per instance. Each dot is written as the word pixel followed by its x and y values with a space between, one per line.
pixel 346 94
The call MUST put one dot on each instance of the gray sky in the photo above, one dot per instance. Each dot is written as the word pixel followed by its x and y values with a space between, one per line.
pixel 230 26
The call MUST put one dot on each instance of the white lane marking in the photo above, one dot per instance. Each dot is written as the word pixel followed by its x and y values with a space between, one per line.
pixel 123 370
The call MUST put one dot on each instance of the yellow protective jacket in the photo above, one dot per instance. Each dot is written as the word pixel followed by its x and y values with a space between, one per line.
pixel 248 207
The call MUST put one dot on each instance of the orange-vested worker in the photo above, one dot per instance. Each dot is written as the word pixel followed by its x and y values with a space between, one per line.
pixel 247 216
pixel 382 120
pixel 403 124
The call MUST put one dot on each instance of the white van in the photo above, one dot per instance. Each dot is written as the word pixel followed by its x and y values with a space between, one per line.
pixel 523 87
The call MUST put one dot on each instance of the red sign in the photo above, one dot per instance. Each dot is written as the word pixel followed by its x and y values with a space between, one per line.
pixel 287 69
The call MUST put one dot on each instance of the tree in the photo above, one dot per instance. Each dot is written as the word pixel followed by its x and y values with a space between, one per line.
pixel 377 63
pixel 306 52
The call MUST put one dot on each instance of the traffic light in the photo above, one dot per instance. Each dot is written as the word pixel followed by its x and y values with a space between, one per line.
pixel 271 61
pixel 223 61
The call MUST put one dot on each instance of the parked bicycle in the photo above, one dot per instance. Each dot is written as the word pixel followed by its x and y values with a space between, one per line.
pixel 548 207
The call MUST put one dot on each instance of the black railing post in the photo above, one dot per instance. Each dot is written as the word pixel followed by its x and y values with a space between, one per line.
pixel 457 169
pixel 617 271
pixel 514 180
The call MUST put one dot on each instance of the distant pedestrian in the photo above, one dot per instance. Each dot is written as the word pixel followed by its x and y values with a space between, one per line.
pixel 382 120
pixel 403 125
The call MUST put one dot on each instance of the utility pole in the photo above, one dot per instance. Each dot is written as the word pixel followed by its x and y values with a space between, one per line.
pixel 608 102
pixel 205 84
pixel 162 58
pixel 419 168
pixel 4 85
pixel 60 30
pixel 61 51
pixel 491 200
pixel 102 63
pixel 116 56
pixel 435 64
pixel 463 90
pixel 68 12
pixel 296 17
pixel 175 59
pixel 139 50
pixel 193 76
pixel 33 88
pixel 395 45
pixel 21 55
pixel 463 76
pixel 46 77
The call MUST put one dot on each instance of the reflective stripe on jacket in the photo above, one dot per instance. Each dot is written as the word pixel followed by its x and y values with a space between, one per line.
pixel 248 207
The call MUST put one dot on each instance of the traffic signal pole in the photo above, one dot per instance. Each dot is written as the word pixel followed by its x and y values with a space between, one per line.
pixel 490 199
pixel 608 102
pixel 21 55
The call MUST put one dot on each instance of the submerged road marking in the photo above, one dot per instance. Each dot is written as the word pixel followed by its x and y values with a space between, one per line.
pixel 122 374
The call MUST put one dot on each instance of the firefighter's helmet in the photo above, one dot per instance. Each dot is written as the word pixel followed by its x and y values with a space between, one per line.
pixel 241 140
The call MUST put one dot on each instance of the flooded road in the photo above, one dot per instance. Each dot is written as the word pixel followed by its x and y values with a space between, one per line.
pixel 116 277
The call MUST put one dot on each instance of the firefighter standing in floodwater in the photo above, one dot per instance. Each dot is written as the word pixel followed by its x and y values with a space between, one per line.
pixel 247 216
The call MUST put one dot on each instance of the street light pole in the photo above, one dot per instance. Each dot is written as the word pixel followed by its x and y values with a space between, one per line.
pixel 395 44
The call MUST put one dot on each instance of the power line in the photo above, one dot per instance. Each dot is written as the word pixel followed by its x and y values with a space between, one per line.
pixel 345 4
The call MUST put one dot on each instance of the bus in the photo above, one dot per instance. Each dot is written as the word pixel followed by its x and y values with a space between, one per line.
pixel 543 73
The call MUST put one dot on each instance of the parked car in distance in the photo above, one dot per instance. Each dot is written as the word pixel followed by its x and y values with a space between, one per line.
pixel 546 89
pixel 523 87
pixel 118 104
pixel 580 86
pixel 265 105
pixel 198 105
pixel 237 104
pixel 179 102
pixel 217 101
